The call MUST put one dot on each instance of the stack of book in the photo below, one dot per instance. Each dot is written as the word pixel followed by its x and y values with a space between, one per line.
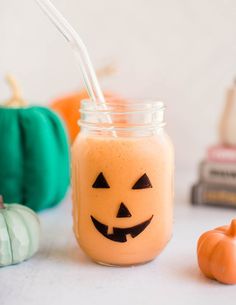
pixel 217 178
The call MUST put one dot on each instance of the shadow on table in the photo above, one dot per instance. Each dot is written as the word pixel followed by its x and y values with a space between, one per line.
pixel 194 274
pixel 69 255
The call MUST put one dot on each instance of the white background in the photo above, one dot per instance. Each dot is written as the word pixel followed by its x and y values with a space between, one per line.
pixel 180 51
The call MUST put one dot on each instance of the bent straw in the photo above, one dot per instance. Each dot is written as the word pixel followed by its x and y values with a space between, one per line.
pixel 81 53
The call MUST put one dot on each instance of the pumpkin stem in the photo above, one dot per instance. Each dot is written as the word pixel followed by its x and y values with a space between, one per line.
pixel 16 99
pixel 106 71
pixel 1 202
pixel 232 228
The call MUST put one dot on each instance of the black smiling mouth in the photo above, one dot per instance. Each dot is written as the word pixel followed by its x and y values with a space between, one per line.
pixel 119 234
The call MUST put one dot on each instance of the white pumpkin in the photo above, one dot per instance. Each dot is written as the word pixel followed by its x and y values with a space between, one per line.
pixel 227 128
pixel 19 233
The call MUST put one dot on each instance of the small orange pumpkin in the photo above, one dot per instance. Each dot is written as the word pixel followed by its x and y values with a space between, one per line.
pixel 216 252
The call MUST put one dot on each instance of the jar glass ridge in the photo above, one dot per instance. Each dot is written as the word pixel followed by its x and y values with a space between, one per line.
pixel 124 118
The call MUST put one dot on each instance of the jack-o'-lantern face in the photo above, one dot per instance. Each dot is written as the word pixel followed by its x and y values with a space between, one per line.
pixel 120 234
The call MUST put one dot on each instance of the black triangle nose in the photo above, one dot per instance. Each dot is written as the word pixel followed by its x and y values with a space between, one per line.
pixel 123 211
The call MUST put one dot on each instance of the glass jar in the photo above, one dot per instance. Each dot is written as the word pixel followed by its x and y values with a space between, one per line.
pixel 122 182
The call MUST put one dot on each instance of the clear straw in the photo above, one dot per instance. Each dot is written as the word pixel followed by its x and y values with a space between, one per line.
pixel 81 53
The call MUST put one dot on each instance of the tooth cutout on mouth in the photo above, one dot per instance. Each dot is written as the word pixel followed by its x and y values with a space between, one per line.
pixel 110 230
pixel 120 234
pixel 128 237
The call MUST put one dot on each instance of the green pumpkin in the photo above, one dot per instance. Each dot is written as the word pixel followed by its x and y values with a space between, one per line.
pixel 34 155
pixel 19 233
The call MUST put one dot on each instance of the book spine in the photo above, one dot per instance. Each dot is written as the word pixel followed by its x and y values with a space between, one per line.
pixel 221 154
pixel 194 199
pixel 218 173
pixel 205 194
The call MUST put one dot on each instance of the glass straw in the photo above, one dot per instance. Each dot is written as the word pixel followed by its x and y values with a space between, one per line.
pixel 81 53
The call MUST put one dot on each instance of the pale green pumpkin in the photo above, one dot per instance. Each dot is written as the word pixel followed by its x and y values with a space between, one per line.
pixel 19 233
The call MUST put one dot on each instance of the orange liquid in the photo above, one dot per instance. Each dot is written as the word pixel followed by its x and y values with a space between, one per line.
pixel 142 235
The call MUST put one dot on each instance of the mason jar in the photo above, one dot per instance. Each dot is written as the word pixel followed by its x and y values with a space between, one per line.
pixel 122 182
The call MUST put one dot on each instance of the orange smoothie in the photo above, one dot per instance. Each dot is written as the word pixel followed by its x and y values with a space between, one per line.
pixel 122 196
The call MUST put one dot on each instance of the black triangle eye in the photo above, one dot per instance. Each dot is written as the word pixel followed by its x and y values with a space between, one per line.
pixel 142 183
pixel 100 182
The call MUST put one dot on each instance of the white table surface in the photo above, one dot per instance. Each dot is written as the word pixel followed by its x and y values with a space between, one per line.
pixel 61 274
